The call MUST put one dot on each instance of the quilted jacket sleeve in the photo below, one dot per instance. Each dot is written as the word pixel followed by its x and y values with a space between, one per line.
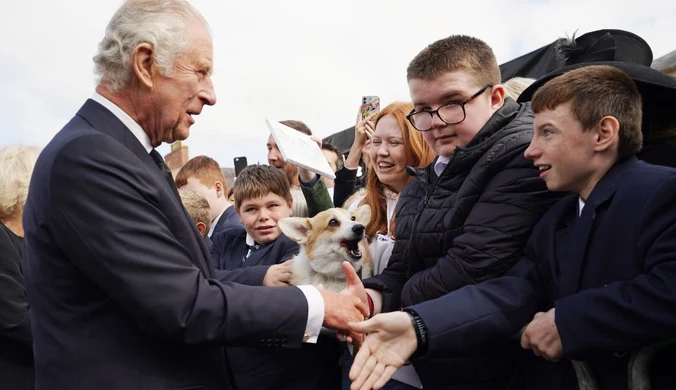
pixel 493 235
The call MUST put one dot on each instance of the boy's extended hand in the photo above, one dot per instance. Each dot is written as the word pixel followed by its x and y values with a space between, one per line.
pixel 278 274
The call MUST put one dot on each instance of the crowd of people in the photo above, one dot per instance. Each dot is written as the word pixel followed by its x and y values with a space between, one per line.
pixel 517 230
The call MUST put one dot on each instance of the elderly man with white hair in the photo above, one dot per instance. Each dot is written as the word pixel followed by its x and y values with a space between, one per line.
pixel 117 275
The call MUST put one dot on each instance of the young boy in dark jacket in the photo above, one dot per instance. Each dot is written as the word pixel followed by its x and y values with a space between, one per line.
pixel 259 254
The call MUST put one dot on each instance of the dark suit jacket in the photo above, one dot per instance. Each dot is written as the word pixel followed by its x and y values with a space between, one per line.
pixel 118 278
pixel 16 341
pixel 311 367
pixel 611 278
pixel 228 219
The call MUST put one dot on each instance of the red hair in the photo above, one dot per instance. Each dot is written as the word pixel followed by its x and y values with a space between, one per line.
pixel 418 154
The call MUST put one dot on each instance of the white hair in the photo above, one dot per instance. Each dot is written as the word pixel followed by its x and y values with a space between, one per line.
pixel 160 23
pixel 16 167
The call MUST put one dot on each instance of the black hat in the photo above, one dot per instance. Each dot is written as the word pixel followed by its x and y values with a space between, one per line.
pixel 625 51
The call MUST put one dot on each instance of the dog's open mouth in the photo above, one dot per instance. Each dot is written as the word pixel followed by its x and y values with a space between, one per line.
pixel 352 247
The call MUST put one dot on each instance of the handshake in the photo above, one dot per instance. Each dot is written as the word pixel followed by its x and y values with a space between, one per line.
pixel 391 337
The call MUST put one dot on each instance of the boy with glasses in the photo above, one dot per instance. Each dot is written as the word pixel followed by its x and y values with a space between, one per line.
pixel 466 217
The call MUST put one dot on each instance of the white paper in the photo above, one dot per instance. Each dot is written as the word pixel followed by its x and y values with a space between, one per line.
pixel 299 149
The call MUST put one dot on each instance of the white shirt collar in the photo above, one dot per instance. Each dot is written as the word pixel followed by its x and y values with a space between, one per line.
pixel 441 164
pixel 134 127
pixel 213 224
pixel 581 204
pixel 250 240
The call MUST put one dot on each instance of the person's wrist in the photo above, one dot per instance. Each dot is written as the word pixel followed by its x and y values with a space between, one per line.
pixel 420 333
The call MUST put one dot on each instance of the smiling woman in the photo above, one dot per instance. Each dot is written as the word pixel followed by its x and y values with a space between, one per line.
pixel 395 144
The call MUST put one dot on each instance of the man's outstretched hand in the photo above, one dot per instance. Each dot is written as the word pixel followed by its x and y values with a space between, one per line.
pixel 389 343
pixel 341 308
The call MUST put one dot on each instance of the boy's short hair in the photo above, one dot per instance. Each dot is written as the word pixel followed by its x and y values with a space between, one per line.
pixel 256 181
pixel 197 206
pixel 298 126
pixel 595 92
pixel 203 168
pixel 457 52
pixel 340 161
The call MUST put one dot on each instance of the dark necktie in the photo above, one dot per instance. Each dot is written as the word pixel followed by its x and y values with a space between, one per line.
pixel 250 250
pixel 166 172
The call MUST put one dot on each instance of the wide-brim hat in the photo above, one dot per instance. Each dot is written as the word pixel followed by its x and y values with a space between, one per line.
pixel 627 52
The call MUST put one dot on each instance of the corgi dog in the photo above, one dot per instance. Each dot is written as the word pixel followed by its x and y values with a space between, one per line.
pixel 326 240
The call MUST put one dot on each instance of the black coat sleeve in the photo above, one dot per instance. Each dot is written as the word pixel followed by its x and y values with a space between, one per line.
pixel 343 185
pixel 493 235
pixel 133 255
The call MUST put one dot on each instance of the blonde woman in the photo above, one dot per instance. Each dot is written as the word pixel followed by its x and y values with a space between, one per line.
pixel 16 341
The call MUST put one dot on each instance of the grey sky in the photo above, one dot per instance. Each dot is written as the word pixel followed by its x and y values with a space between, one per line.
pixel 295 59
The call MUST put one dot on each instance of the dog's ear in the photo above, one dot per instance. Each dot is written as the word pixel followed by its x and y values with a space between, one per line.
pixel 362 214
pixel 297 229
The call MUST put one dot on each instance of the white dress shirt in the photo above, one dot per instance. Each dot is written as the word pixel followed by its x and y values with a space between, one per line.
pixel 315 303
pixel 581 204
pixel 213 224
pixel 441 164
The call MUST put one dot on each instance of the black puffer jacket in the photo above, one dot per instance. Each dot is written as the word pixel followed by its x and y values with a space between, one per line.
pixel 467 226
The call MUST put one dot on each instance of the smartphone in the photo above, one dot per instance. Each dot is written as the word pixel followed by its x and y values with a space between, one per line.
pixel 369 105
pixel 240 163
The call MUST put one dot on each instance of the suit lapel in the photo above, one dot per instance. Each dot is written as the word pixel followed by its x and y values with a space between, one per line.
pixel 582 229
pixel 106 122
pixel 578 236
pixel 258 255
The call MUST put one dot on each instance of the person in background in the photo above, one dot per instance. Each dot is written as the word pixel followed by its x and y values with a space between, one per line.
pixel 260 254
pixel 198 208
pixel 16 340
pixel 516 85
pixel 204 175
pixel 395 145
pixel 309 192
pixel 336 161
pixel 348 186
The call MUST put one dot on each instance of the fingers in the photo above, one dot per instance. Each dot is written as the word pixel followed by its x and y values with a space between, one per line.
pixel 385 377
pixel 377 372
pixel 357 365
pixel 365 372
pixel 317 140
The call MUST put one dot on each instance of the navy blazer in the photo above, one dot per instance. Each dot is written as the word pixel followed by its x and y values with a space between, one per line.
pixel 230 247
pixel 118 277
pixel 311 367
pixel 228 219
pixel 610 274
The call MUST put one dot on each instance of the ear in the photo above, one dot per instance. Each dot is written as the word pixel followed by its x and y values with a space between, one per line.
pixel 219 189
pixel 607 134
pixel 297 229
pixel 362 214
pixel 202 228
pixel 497 97
pixel 143 64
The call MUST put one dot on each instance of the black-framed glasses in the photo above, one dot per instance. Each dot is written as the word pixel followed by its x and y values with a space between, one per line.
pixel 451 114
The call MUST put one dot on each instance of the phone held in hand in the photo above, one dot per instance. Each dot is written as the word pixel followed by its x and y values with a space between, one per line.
pixel 369 105
pixel 240 164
